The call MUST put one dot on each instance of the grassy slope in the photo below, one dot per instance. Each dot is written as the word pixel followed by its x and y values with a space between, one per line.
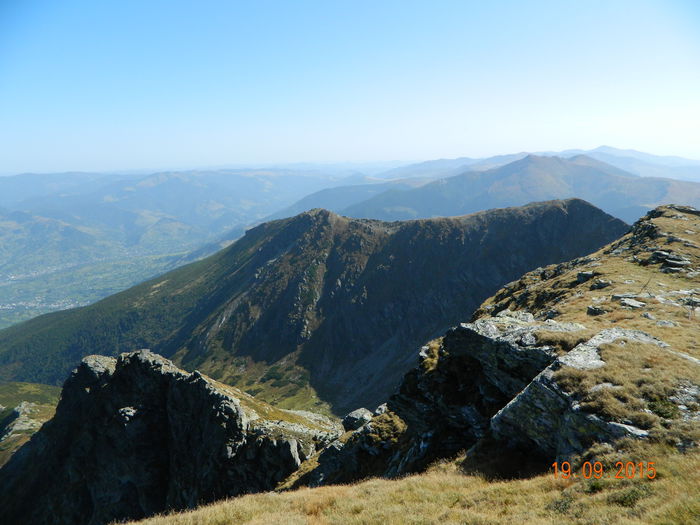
pixel 45 397
pixel 468 490
pixel 445 494
pixel 644 376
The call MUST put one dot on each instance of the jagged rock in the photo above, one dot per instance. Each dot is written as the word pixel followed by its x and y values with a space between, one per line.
pixel 551 313
pixel 677 262
pixel 582 277
pixel 20 420
pixel 445 404
pixel 135 436
pixel 380 409
pixel 671 269
pixel 547 419
pixel 356 419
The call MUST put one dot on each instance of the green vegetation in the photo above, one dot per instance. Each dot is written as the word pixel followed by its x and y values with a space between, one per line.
pixel 12 394
pixel 43 397
pixel 26 298
pixel 72 239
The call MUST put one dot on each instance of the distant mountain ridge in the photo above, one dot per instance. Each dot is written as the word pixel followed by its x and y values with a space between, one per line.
pixel 531 178
pixel 304 311
pixel 636 162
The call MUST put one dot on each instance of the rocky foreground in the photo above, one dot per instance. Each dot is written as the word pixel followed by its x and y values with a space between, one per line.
pixel 134 436
pixel 599 349
pixel 571 360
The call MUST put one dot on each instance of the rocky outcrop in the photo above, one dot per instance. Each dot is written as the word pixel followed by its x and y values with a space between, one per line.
pixel 546 418
pixel 550 388
pixel 446 404
pixel 490 380
pixel 135 435
pixel 356 419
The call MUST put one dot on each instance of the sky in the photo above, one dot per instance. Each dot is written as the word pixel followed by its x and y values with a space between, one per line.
pixel 139 84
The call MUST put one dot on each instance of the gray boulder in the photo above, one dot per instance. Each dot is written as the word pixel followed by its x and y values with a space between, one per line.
pixel 546 419
pixel 356 419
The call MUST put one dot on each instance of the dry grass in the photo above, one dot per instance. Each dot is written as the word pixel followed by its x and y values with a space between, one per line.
pixel 445 495
pixel 642 378
pixel 634 385
pixel 387 428
pixel 563 341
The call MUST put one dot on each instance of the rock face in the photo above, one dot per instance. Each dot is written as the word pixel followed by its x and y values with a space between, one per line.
pixel 446 403
pixel 134 436
pixel 356 419
pixel 487 379
pixel 546 418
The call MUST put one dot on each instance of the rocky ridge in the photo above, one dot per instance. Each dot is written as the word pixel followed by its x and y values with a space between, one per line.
pixel 135 435
pixel 536 372
pixel 533 374
pixel 317 311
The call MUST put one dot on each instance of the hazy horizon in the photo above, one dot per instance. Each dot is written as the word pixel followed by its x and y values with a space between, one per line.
pixel 171 85
pixel 361 167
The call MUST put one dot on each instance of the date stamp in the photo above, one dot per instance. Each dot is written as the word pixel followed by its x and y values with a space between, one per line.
pixel 596 470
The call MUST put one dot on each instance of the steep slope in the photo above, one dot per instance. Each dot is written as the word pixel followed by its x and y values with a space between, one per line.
pixel 136 436
pixel 71 239
pixel 593 357
pixel 593 360
pixel 532 178
pixel 317 306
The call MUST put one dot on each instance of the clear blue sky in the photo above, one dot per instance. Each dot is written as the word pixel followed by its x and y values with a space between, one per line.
pixel 127 84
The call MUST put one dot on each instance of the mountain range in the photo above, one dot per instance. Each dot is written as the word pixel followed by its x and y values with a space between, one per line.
pixel 83 236
pixel 632 161
pixel 592 362
pixel 302 311
pixel 70 239
pixel 530 178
